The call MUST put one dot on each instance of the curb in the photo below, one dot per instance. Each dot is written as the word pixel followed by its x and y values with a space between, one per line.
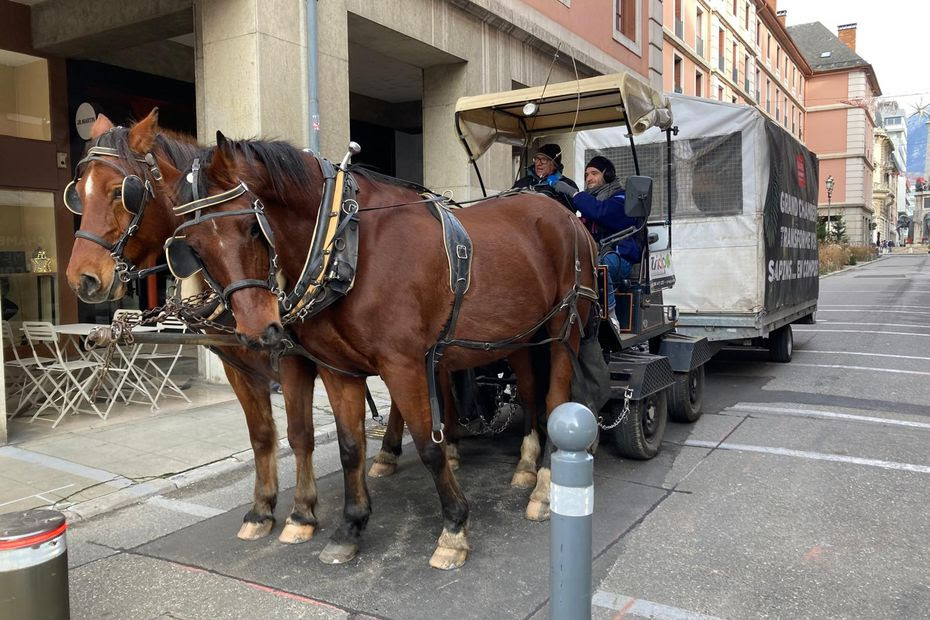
pixel 136 493
pixel 856 266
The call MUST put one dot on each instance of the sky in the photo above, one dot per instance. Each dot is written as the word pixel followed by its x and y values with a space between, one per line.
pixel 892 35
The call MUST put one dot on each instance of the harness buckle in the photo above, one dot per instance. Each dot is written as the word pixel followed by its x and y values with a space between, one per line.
pixel 349 207
pixel 438 433
pixel 461 252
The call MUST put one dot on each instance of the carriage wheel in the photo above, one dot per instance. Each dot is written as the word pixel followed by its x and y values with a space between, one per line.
pixel 686 397
pixel 640 433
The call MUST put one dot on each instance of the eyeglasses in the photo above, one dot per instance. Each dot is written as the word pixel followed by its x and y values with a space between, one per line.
pixel 541 159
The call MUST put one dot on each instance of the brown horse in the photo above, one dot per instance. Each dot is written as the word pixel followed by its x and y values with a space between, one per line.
pixel 531 256
pixel 93 274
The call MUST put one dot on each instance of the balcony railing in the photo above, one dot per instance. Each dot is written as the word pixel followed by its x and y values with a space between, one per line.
pixel 699 46
pixel 679 28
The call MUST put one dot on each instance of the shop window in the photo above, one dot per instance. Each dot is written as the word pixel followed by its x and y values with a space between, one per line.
pixel 29 286
pixel 24 107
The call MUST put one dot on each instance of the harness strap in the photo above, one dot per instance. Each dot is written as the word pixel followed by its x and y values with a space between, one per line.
pixel 204 203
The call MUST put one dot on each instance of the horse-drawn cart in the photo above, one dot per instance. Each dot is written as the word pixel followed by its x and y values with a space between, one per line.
pixel 652 372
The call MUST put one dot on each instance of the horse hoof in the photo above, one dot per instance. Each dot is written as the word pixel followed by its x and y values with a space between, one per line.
pixel 445 558
pixel 338 553
pixel 295 533
pixel 254 531
pixel 454 464
pixel 523 479
pixel 382 470
pixel 537 511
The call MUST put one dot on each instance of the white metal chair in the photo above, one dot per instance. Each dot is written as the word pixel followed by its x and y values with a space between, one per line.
pixel 165 353
pixel 29 379
pixel 133 376
pixel 73 378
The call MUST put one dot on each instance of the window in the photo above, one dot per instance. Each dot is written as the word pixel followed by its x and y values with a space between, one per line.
pixel 735 64
pixel 768 95
pixel 777 57
pixel 698 84
pixel 758 86
pixel 720 93
pixel 28 227
pixel 746 18
pixel 679 23
pixel 758 34
pixel 627 28
pixel 699 33
pixel 677 74
pixel 734 8
pixel 747 66
pixel 24 106
pixel 768 48
pixel 721 41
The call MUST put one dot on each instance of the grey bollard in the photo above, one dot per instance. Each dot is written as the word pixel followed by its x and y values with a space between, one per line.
pixel 572 428
pixel 33 565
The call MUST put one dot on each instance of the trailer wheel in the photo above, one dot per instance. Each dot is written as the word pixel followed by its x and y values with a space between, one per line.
pixel 686 397
pixel 781 345
pixel 640 433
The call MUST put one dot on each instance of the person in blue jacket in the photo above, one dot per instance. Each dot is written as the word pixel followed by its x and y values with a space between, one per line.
pixel 545 172
pixel 602 207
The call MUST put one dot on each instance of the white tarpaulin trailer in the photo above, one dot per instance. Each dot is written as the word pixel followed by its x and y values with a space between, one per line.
pixel 744 209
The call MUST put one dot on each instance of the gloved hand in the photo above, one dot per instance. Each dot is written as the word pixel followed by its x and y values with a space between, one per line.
pixel 563 188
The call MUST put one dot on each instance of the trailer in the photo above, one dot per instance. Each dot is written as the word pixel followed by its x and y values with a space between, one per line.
pixel 744 200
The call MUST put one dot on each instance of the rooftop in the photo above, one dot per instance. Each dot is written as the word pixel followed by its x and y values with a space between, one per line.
pixel 822 49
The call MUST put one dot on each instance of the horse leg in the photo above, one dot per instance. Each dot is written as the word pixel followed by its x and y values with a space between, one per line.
pixel 297 377
pixel 525 475
pixel 347 398
pixel 450 420
pixel 385 464
pixel 408 387
pixel 560 391
pixel 255 397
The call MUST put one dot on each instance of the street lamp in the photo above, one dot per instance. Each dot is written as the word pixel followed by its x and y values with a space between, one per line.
pixel 829 184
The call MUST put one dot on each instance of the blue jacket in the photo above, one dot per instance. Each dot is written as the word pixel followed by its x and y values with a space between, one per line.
pixel 606 217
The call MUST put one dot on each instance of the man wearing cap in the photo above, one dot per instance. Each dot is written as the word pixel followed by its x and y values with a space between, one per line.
pixel 602 207
pixel 546 170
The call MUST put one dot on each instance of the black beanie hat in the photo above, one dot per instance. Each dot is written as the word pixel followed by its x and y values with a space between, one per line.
pixel 605 166
pixel 553 152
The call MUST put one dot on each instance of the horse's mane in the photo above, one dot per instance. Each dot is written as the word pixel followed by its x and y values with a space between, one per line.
pixel 179 148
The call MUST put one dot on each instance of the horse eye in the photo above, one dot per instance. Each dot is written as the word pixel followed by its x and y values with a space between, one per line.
pixel 255 231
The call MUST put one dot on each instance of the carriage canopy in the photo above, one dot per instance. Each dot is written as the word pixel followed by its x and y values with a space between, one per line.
pixel 601 101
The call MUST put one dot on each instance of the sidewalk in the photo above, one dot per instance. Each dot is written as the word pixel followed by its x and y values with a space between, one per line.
pixel 87 466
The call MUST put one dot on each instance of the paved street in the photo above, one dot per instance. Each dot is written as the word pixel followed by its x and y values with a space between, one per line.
pixel 801 492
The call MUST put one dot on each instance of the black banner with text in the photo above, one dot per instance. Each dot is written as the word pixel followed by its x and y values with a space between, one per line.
pixel 792 267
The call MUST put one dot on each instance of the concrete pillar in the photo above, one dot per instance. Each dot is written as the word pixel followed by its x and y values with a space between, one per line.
pixel 333 51
pixel 250 71
pixel 447 166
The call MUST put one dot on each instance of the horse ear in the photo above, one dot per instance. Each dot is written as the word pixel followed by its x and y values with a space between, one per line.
pixel 222 166
pixel 100 126
pixel 142 134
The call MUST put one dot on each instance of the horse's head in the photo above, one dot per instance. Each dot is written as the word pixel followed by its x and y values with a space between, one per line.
pixel 228 238
pixel 115 185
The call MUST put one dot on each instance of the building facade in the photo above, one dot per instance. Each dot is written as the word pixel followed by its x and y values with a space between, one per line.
pixel 737 51
pixel 841 123
pixel 389 74
pixel 885 177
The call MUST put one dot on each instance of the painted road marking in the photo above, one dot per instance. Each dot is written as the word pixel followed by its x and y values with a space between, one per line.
pixel 895 371
pixel 853 331
pixel 920 291
pixel 900 357
pixel 814 456
pixel 831 322
pixel 821 309
pixel 647 609
pixel 817 413
pixel 53 462
pixel 864 306
pixel 39 495
pixel 198 510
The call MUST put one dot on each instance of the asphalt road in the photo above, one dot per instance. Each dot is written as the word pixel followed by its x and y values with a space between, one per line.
pixel 801 493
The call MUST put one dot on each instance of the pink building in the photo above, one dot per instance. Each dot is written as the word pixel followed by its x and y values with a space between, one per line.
pixel 841 123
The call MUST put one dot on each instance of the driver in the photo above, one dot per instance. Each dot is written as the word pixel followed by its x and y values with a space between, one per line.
pixel 602 206
pixel 546 171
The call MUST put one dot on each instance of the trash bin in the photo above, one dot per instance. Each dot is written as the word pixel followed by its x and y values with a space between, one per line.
pixel 33 565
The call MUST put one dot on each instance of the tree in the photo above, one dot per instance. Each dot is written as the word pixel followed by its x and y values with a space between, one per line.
pixel 821 229
pixel 838 234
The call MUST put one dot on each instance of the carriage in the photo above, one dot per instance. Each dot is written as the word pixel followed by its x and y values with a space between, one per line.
pixel 654 373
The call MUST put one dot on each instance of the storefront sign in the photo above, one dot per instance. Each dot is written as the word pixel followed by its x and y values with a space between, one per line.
pixel 84 120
